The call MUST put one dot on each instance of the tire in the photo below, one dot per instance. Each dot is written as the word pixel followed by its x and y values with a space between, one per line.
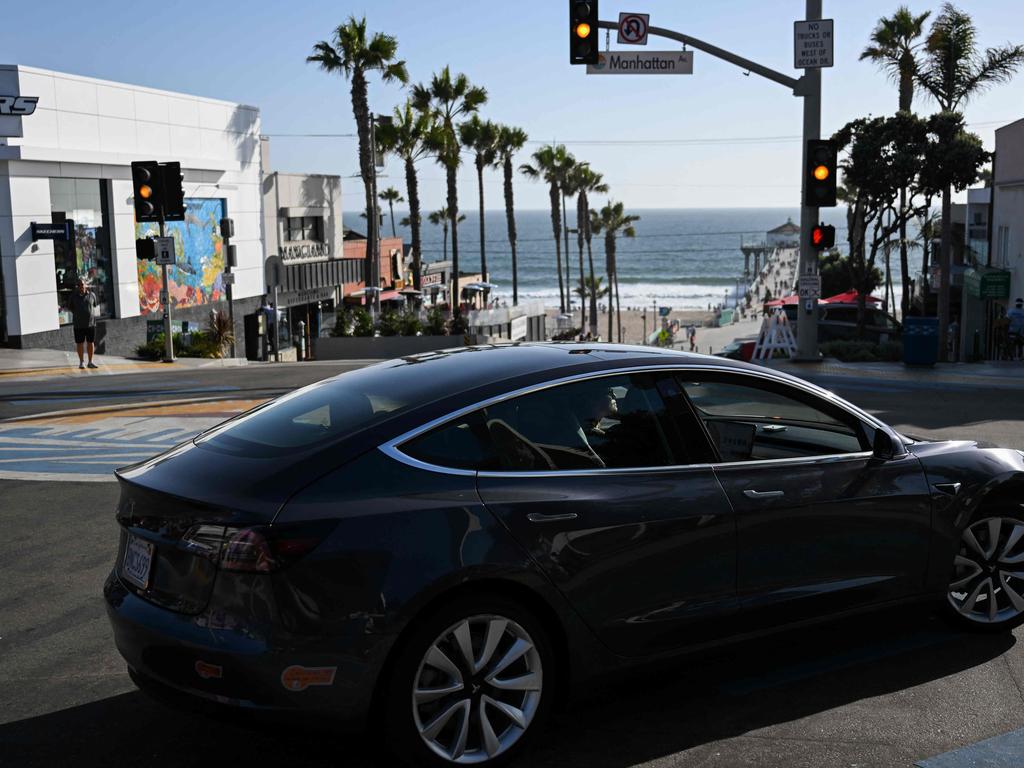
pixel 986 588
pixel 466 695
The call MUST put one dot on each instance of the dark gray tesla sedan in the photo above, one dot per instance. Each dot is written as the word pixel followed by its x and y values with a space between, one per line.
pixel 440 546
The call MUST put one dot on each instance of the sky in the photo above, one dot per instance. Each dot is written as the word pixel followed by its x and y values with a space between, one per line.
pixel 741 132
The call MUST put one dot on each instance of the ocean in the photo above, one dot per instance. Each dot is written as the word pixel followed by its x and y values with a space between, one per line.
pixel 683 258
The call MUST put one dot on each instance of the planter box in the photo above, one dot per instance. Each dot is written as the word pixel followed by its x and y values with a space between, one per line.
pixel 380 347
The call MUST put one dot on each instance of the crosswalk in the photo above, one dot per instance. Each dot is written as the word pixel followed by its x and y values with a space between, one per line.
pixel 90 446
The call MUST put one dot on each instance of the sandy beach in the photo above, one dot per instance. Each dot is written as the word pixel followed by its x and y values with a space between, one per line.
pixel 709 339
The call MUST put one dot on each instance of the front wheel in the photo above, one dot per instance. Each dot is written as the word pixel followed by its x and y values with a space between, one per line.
pixel 986 590
pixel 472 685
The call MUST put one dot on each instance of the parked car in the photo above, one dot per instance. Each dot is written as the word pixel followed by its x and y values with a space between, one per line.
pixel 838 322
pixel 440 546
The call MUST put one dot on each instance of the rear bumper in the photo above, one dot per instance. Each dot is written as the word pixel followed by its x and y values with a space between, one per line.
pixel 241 667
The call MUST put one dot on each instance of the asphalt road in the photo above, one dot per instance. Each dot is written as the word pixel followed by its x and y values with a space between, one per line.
pixel 889 690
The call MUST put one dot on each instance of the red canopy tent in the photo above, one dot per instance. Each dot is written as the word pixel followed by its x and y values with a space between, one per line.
pixel 848 297
pixel 784 301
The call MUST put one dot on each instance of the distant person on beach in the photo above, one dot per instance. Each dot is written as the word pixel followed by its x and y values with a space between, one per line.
pixel 691 334
pixel 83 315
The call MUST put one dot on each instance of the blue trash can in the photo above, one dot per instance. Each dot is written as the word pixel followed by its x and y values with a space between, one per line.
pixel 920 340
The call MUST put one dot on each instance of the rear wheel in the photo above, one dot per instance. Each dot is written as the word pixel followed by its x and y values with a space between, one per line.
pixel 472 686
pixel 986 590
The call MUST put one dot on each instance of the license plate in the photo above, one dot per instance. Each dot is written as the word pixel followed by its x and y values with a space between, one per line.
pixel 138 559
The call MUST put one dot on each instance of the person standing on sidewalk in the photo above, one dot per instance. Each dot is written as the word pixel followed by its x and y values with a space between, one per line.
pixel 1016 329
pixel 83 314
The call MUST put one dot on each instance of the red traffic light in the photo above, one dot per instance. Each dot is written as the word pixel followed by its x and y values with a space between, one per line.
pixel 823 236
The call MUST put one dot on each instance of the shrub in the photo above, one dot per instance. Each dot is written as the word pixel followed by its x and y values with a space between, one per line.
pixel 343 324
pixel 390 324
pixel 852 351
pixel 220 331
pixel 569 335
pixel 409 323
pixel 436 322
pixel 458 325
pixel 362 323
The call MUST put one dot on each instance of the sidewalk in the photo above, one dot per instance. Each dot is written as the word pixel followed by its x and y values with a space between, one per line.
pixel 44 363
pixel 992 374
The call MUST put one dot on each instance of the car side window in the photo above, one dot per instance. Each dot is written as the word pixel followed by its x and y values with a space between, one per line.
pixel 751 421
pixel 611 422
pixel 459 444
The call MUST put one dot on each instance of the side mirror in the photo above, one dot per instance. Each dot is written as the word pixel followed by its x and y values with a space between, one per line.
pixel 883 448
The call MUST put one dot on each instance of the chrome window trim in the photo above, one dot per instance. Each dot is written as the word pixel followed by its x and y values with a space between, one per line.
pixel 392 448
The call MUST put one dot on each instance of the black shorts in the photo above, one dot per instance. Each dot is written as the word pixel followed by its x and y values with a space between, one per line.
pixel 83 335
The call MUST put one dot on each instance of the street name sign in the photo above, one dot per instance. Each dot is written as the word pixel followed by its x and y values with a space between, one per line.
pixel 813 44
pixel 164 250
pixel 642 63
pixel 633 28
pixel 810 286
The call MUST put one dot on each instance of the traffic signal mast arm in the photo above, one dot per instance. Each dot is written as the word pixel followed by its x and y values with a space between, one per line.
pixel 796 85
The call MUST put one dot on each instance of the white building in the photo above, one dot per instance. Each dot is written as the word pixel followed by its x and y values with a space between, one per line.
pixel 1007 248
pixel 69 159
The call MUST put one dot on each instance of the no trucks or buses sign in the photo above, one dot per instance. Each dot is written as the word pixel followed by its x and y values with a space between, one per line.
pixel 642 63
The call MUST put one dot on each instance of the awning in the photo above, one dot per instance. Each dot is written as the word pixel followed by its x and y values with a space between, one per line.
pixel 390 296
pixel 848 297
pixel 784 301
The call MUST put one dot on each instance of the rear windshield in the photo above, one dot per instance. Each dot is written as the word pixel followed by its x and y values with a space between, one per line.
pixel 324 412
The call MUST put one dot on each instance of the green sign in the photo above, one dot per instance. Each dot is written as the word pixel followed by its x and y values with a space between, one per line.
pixel 987 283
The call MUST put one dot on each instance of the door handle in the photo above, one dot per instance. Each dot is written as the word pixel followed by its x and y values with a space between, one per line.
pixel 540 517
pixel 750 494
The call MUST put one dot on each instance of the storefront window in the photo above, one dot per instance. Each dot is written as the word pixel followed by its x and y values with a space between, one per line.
pixel 303 228
pixel 88 255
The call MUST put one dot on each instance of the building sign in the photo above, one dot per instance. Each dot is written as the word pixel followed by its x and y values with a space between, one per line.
pixel 987 283
pixel 435 278
pixel 812 44
pixel 643 63
pixel 304 296
pixel 18 106
pixel 302 253
pixel 45 231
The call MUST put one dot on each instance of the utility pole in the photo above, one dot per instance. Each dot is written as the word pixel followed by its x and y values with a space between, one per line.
pixel 168 337
pixel 807 314
pixel 807 87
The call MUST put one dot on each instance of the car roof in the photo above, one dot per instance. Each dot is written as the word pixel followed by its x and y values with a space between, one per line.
pixel 462 369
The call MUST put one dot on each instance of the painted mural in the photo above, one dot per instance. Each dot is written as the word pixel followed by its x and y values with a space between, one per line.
pixel 198 276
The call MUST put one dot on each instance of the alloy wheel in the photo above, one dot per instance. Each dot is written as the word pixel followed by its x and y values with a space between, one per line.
pixel 988 572
pixel 477 689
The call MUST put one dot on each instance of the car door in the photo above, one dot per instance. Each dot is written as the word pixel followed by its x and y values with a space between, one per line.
pixel 619 508
pixel 822 524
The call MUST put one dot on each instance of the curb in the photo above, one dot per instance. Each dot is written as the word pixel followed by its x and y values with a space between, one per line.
pixel 128 407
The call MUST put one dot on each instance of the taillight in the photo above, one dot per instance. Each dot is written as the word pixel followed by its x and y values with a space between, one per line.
pixel 260 549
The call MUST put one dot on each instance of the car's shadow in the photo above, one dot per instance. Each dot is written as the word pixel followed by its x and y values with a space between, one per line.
pixel 656 713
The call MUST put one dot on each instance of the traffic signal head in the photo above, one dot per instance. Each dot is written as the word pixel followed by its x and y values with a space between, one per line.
pixel 174 190
pixel 583 31
pixel 147 188
pixel 820 174
pixel 823 236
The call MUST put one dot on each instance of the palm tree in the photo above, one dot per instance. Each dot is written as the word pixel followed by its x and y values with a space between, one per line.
pixel 353 54
pixel 894 45
pixel 481 137
pixel 510 141
pixel 952 72
pixel 612 220
pixel 583 181
pixel 391 196
pixel 405 137
pixel 552 163
pixel 443 218
pixel 449 99
pixel 592 288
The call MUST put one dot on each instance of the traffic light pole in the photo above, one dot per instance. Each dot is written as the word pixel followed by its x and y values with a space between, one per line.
pixel 809 88
pixel 168 335
pixel 807 314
